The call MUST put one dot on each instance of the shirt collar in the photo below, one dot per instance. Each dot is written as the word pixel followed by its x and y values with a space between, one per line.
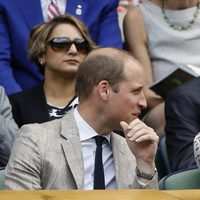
pixel 85 130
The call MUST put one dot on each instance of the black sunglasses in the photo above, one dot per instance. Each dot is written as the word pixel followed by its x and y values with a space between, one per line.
pixel 64 44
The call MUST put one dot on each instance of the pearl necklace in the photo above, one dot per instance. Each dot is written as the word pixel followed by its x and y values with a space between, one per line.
pixel 177 27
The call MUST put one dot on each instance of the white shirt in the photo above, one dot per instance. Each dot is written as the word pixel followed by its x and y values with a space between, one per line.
pixel 45 3
pixel 88 144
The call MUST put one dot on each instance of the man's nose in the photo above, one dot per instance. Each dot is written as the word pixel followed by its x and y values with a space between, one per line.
pixel 142 101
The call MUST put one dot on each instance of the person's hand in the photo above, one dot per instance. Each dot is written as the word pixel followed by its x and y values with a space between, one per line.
pixel 143 142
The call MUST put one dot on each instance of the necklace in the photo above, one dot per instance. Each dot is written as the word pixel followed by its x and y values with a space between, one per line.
pixel 177 27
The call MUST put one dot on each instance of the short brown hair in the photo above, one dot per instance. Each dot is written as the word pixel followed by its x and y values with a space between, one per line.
pixel 100 66
pixel 39 35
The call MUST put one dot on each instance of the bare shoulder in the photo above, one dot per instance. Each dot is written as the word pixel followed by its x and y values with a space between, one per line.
pixel 134 15
pixel 134 26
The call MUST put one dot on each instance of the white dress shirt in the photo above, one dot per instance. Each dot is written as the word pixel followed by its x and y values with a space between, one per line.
pixel 88 144
pixel 45 3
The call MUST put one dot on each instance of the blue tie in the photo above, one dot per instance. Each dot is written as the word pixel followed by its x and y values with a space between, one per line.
pixel 99 182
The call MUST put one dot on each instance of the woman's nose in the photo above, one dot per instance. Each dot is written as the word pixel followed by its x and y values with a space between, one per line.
pixel 72 49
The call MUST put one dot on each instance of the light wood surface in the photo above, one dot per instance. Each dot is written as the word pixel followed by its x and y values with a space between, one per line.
pixel 87 195
pixel 184 194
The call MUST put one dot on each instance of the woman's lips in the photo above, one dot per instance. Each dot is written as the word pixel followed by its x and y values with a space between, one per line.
pixel 72 62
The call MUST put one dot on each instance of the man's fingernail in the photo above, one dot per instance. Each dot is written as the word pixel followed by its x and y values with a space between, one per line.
pixel 129 127
pixel 128 135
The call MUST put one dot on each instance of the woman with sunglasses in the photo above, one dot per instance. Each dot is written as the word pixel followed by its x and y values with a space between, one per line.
pixel 162 34
pixel 57 47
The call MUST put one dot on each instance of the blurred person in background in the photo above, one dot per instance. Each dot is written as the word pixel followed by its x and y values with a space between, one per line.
pixel 160 33
pixel 17 18
pixel 57 47
pixel 182 113
pixel 8 128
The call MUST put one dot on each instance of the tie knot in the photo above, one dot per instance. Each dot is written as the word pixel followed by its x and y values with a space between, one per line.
pixel 99 140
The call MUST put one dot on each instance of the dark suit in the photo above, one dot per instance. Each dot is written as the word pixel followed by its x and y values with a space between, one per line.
pixel 17 18
pixel 182 124
pixel 29 106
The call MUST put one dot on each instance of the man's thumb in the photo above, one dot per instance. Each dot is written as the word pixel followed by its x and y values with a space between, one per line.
pixel 125 126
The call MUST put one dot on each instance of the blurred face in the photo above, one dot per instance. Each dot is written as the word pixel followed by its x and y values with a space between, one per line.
pixel 64 50
pixel 126 104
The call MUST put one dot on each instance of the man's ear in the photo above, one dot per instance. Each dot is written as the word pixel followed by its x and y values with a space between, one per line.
pixel 104 90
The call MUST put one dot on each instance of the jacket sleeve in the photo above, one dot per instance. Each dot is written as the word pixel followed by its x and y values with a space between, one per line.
pixel 181 127
pixel 109 31
pixel 7 79
pixel 23 171
pixel 8 128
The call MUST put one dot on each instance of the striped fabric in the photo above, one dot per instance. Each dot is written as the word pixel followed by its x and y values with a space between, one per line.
pixel 53 10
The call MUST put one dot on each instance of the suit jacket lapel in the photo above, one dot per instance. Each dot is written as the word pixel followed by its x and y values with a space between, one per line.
pixel 120 160
pixel 72 149
pixel 32 12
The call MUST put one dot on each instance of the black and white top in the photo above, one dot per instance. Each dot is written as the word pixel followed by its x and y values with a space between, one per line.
pixel 59 112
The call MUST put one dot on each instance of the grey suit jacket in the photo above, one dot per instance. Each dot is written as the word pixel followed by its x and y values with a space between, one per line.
pixel 49 156
pixel 8 128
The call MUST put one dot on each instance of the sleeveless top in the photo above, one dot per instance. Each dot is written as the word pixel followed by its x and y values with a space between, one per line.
pixel 167 46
